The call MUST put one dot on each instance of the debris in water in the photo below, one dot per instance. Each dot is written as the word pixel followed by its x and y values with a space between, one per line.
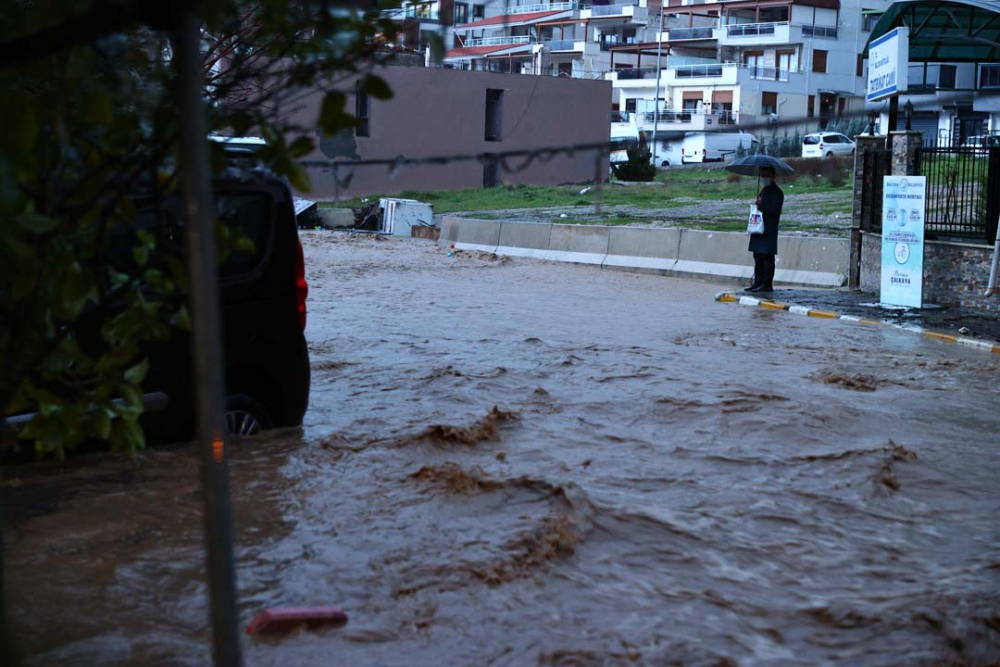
pixel 287 619
pixel 555 538
pixel 484 429
pixel 893 453
pixel 857 382
pixel 457 480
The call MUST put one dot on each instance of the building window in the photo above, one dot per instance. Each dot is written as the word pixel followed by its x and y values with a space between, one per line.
pixel 362 112
pixel 461 13
pixel 861 65
pixel 768 103
pixel 691 100
pixel 989 76
pixel 478 12
pixel 630 105
pixel 785 59
pixel 946 76
pixel 819 61
pixel 810 109
pixel 868 21
pixel 754 61
pixel 841 106
pixel 494 114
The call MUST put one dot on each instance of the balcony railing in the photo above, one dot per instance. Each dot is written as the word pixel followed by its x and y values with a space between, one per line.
pixel 819 31
pixel 635 73
pixel 498 41
pixel 560 44
pixel 610 10
pixel 607 42
pixel 753 29
pixel 690 117
pixel 690 33
pixel 667 117
pixel 417 13
pixel 550 7
pixel 768 73
pixel 698 71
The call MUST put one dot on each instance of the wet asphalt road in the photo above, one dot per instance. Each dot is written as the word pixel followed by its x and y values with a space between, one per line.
pixel 520 463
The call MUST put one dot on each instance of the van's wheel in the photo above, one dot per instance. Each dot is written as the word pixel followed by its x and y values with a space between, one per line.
pixel 830 154
pixel 246 416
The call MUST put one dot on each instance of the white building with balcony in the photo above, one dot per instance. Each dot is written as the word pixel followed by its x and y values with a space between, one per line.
pixel 720 65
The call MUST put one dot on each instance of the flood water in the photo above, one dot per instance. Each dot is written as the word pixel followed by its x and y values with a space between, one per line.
pixel 521 463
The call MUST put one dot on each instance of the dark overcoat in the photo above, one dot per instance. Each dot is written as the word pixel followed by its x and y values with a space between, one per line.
pixel 771 201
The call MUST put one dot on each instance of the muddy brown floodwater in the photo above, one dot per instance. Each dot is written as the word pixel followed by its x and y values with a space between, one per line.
pixel 520 463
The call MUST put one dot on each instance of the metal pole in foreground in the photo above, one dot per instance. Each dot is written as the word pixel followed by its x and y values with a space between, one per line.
pixel 656 95
pixel 208 361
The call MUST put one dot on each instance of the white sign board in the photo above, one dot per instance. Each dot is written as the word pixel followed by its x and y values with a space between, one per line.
pixel 888 64
pixel 904 201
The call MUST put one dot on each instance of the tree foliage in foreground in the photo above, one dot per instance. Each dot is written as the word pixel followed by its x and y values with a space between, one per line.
pixel 90 121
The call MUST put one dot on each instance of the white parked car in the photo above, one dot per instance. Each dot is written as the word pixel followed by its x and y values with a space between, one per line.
pixel 826 144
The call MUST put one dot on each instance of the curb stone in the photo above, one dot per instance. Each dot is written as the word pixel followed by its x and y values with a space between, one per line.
pixel 730 297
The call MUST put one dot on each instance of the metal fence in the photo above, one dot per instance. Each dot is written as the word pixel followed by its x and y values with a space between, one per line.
pixel 963 192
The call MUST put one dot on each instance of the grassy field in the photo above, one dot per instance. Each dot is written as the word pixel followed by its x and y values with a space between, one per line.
pixel 670 186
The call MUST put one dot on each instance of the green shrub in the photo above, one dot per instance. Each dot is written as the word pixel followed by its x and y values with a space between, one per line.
pixel 638 167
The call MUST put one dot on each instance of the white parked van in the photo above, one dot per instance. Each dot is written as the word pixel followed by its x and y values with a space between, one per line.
pixel 715 146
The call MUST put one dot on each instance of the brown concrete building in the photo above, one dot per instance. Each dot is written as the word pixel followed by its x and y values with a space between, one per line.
pixel 441 112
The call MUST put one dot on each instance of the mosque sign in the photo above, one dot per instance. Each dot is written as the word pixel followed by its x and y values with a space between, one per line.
pixel 888 64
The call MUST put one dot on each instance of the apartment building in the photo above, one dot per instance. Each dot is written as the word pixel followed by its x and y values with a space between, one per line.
pixel 722 65
pixel 421 21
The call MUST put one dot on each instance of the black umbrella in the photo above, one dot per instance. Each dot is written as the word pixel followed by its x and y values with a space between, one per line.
pixel 752 164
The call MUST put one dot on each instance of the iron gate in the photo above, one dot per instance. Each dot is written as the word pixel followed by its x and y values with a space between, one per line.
pixel 963 192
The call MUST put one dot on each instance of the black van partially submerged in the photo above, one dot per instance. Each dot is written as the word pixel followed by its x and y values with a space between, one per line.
pixel 263 299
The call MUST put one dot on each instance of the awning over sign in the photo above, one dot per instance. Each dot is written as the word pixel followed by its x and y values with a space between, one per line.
pixel 950 31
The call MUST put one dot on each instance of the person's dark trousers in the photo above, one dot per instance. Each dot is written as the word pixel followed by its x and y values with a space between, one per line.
pixel 763 271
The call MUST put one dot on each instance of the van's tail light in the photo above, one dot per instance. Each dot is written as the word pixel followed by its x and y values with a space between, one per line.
pixel 821 145
pixel 301 287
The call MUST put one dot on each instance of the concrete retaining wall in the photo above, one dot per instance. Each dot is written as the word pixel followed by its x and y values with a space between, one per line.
pixel 581 244
pixel 524 239
pixel 801 260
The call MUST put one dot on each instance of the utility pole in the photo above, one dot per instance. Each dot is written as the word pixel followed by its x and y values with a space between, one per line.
pixel 199 215
pixel 656 95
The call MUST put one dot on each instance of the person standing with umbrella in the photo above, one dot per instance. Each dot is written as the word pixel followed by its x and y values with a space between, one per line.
pixel 770 200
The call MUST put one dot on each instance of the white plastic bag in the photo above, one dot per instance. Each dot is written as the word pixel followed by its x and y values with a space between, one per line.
pixel 755 224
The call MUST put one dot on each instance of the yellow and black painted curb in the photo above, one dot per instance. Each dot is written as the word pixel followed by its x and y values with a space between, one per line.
pixel 729 297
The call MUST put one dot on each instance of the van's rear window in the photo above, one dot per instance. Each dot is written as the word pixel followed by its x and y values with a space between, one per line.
pixel 810 140
pixel 249 215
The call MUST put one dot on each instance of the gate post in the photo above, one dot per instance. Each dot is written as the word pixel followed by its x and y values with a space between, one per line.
pixel 864 163
pixel 905 145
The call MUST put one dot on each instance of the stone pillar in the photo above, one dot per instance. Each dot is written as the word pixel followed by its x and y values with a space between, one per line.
pixel 865 145
pixel 904 152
